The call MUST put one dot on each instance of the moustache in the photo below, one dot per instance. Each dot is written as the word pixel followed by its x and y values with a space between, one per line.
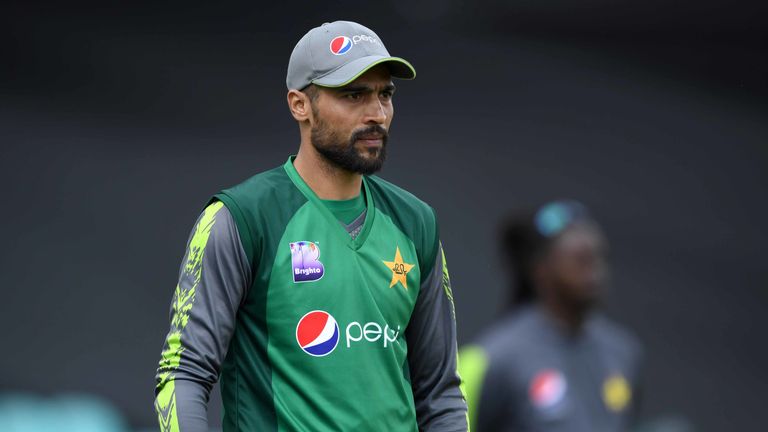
pixel 371 132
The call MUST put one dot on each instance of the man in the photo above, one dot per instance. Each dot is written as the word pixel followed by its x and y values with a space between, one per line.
pixel 553 363
pixel 317 292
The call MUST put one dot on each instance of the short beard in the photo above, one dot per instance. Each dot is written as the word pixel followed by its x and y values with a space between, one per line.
pixel 342 154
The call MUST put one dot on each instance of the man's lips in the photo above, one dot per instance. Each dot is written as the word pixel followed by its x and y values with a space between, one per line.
pixel 370 137
pixel 371 140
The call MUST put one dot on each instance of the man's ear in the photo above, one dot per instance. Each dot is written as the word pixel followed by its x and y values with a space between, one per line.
pixel 300 105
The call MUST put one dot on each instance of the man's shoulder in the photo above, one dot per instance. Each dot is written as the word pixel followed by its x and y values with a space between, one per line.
pixel 267 197
pixel 261 206
pixel 260 184
pixel 517 329
pixel 391 197
pixel 615 336
pixel 410 215
pixel 510 344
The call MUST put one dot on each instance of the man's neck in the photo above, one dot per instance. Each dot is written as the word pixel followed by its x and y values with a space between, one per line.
pixel 569 317
pixel 326 180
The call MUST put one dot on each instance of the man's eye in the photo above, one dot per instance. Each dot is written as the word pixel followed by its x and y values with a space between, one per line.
pixel 354 96
pixel 386 95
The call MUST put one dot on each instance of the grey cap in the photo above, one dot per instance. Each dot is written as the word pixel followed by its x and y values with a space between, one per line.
pixel 335 54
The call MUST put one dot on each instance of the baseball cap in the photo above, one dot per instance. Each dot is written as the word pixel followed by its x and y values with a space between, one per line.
pixel 335 54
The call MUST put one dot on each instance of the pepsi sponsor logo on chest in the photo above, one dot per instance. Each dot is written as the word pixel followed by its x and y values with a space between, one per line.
pixel 547 388
pixel 317 333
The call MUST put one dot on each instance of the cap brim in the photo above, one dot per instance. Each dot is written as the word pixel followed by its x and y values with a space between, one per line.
pixel 398 67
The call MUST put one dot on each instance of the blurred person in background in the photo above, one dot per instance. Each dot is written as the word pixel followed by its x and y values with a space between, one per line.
pixel 553 362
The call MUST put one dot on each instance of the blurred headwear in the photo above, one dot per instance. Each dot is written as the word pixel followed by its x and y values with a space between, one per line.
pixel 552 218
pixel 526 237
pixel 335 54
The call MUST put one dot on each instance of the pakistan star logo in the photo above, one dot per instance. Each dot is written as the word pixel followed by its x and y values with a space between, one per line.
pixel 399 269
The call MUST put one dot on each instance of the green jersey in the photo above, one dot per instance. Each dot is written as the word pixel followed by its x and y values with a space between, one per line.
pixel 313 323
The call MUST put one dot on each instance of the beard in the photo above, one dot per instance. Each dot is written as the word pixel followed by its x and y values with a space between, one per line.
pixel 341 152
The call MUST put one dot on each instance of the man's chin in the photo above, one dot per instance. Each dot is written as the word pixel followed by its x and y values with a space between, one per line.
pixel 369 168
pixel 366 149
pixel 586 302
pixel 371 155
pixel 359 159
pixel 369 159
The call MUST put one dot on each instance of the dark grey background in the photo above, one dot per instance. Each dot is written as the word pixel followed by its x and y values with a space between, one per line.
pixel 118 121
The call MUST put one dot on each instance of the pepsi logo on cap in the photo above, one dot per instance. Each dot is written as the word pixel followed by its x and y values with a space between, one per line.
pixel 340 45
pixel 317 333
pixel 547 388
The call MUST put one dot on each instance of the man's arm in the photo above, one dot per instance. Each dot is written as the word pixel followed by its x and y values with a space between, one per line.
pixel 496 406
pixel 431 337
pixel 213 280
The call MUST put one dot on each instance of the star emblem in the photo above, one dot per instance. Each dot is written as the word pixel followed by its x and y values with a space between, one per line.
pixel 399 269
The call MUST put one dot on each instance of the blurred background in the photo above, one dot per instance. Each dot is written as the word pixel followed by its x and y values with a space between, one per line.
pixel 118 121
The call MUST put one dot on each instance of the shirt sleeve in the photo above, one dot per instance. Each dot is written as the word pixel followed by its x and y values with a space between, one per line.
pixel 213 281
pixel 637 414
pixel 494 408
pixel 432 352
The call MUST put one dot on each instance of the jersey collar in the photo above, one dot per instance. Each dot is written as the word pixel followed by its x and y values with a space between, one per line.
pixel 358 241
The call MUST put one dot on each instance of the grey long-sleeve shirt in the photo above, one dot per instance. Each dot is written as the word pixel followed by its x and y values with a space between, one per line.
pixel 526 374
pixel 221 284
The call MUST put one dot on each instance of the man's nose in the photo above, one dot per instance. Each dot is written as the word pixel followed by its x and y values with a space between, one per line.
pixel 375 112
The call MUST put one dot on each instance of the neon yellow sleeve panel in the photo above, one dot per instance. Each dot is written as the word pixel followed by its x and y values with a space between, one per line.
pixel 183 300
pixel 449 294
pixel 165 405
pixel 473 363
pixel 447 283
